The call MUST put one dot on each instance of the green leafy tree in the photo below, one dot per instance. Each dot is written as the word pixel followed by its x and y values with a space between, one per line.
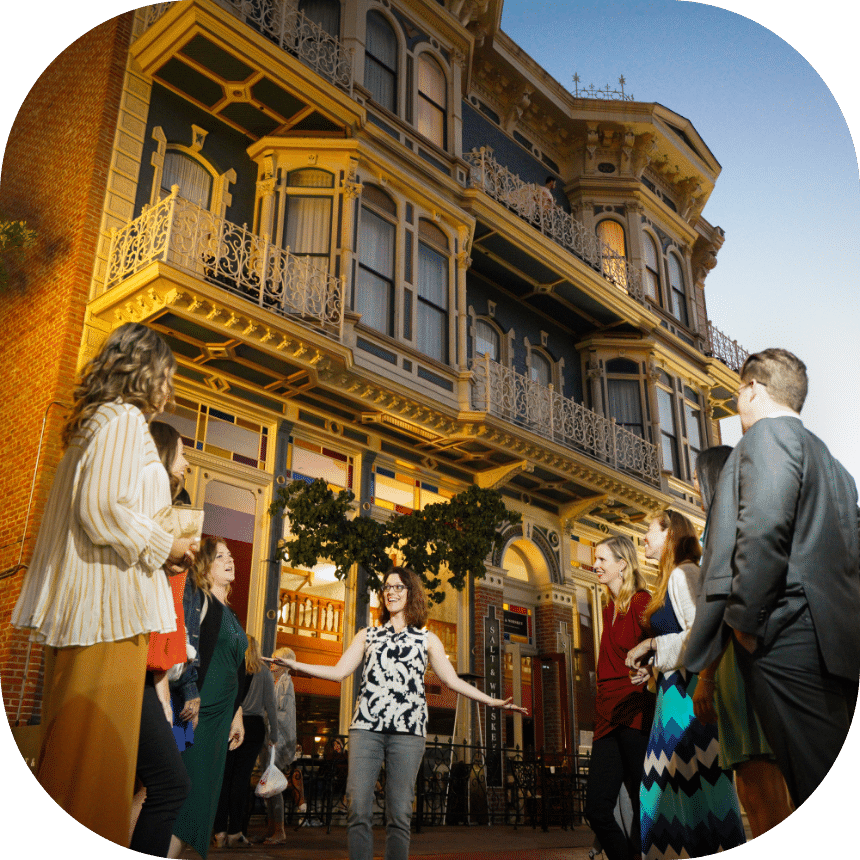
pixel 451 537
pixel 14 237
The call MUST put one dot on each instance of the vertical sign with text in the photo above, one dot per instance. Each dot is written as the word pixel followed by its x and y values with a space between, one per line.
pixel 493 688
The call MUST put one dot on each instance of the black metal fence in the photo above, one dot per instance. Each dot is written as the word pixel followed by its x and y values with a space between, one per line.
pixel 456 784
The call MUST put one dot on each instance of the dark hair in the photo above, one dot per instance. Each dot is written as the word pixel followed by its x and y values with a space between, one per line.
pixel 166 438
pixel 133 365
pixel 709 464
pixel 682 544
pixel 782 373
pixel 416 602
pixel 548 180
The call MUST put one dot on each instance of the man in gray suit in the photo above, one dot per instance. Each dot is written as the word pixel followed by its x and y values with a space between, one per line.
pixel 781 573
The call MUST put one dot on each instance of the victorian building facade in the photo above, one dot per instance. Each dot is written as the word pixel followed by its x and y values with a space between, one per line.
pixel 338 215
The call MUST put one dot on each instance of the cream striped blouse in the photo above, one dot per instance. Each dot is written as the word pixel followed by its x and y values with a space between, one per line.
pixel 96 572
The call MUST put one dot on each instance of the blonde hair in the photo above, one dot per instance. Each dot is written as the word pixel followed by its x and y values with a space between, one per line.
pixel 286 653
pixel 200 569
pixel 253 663
pixel 682 544
pixel 632 580
pixel 132 366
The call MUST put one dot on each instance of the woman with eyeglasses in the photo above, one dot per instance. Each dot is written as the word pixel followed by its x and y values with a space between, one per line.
pixel 390 719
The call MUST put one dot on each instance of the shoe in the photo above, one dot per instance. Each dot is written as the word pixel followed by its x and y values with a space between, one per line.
pixel 275 839
pixel 238 841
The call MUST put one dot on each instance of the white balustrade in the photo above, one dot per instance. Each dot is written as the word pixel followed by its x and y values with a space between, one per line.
pixel 281 22
pixel 531 204
pixel 503 392
pixel 180 233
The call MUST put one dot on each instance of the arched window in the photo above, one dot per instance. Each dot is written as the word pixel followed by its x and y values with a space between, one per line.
pixel 432 316
pixel 625 394
pixel 374 287
pixel 380 61
pixel 326 13
pixel 614 251
pixel 432 100
pixel 307 230
pixel 679 294
pixel 652 268
pixel 488 341
pixel 540 368
pixel 194 181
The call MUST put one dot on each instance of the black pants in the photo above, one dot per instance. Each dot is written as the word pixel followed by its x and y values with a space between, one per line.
pixel 617 758
pixel 162 771
pixel 233 802
pixel 805 712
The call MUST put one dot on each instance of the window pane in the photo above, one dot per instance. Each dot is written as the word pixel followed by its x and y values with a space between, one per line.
pixel 194 181
pixel 611 233
pixel 667 416
pixel 431 122
pixel 376 245
pixel 694 433
pixel 380 67
pixel 432 276
pixel 625 405
pixel 432 332
pixel 486 340
pixel 431 80
pixel 373 300
pixel 679 295
pixel 308 225
pixel 652 268
pixel 311 178
pixel 540 369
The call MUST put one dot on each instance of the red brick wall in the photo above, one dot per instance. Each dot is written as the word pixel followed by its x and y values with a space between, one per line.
pixel 549 617
pixel 54 176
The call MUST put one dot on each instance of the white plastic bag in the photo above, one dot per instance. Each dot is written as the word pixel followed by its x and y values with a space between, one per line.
pixel 272 781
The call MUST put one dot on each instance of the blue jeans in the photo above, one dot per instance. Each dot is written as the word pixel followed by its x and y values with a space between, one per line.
pixel 402 755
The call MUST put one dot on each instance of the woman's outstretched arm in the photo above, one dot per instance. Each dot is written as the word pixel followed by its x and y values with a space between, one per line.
pixel 441 665
pixel 348 663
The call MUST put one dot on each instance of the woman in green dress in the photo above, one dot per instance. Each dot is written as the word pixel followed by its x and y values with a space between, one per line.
pixel 221 677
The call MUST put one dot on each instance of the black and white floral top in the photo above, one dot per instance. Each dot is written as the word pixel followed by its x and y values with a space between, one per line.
pixel 391 698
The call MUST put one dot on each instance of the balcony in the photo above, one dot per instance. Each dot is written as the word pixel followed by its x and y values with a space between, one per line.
pixel 530 203
pixel 725 350
pixel 281 22
pixel 513 397
pixel 182 234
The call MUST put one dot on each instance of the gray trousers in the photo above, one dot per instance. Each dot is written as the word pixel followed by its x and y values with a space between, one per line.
pixel 402 755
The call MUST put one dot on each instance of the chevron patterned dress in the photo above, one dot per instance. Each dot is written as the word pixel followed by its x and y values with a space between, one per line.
pixel 688 804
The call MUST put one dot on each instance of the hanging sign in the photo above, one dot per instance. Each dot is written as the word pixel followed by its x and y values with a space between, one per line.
pixel 493 688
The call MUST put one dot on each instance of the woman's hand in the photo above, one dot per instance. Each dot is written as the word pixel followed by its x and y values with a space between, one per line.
pixel 191 711
pixel 162 690
pixel 703 700
pixel 635 654
pixel 508 705
pixel 237 731
pixel 182 555
pixel 640 676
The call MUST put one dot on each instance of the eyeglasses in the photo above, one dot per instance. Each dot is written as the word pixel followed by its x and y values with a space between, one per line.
pixel 395 588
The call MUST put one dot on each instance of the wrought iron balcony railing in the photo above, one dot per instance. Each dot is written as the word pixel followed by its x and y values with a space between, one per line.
pixel 281 22
pixel 532 205
pixel 186 236
pixel 503 392
pixel 728 351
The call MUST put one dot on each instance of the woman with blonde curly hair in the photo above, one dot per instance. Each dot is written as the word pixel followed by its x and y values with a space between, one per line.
pixel 623 709
pixel 95 588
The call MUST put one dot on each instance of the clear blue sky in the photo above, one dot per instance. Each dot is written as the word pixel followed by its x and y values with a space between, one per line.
pixel 787 196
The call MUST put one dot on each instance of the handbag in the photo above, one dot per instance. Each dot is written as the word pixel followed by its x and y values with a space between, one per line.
pixel 272 781
pixel 181 521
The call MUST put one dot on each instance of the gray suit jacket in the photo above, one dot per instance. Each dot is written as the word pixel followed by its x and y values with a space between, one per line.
pixel 782 535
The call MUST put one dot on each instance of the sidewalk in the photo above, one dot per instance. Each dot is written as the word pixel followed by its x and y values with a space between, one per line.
pixel 500 841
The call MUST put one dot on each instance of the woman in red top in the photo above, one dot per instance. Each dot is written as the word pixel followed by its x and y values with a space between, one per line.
pixel 624 708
